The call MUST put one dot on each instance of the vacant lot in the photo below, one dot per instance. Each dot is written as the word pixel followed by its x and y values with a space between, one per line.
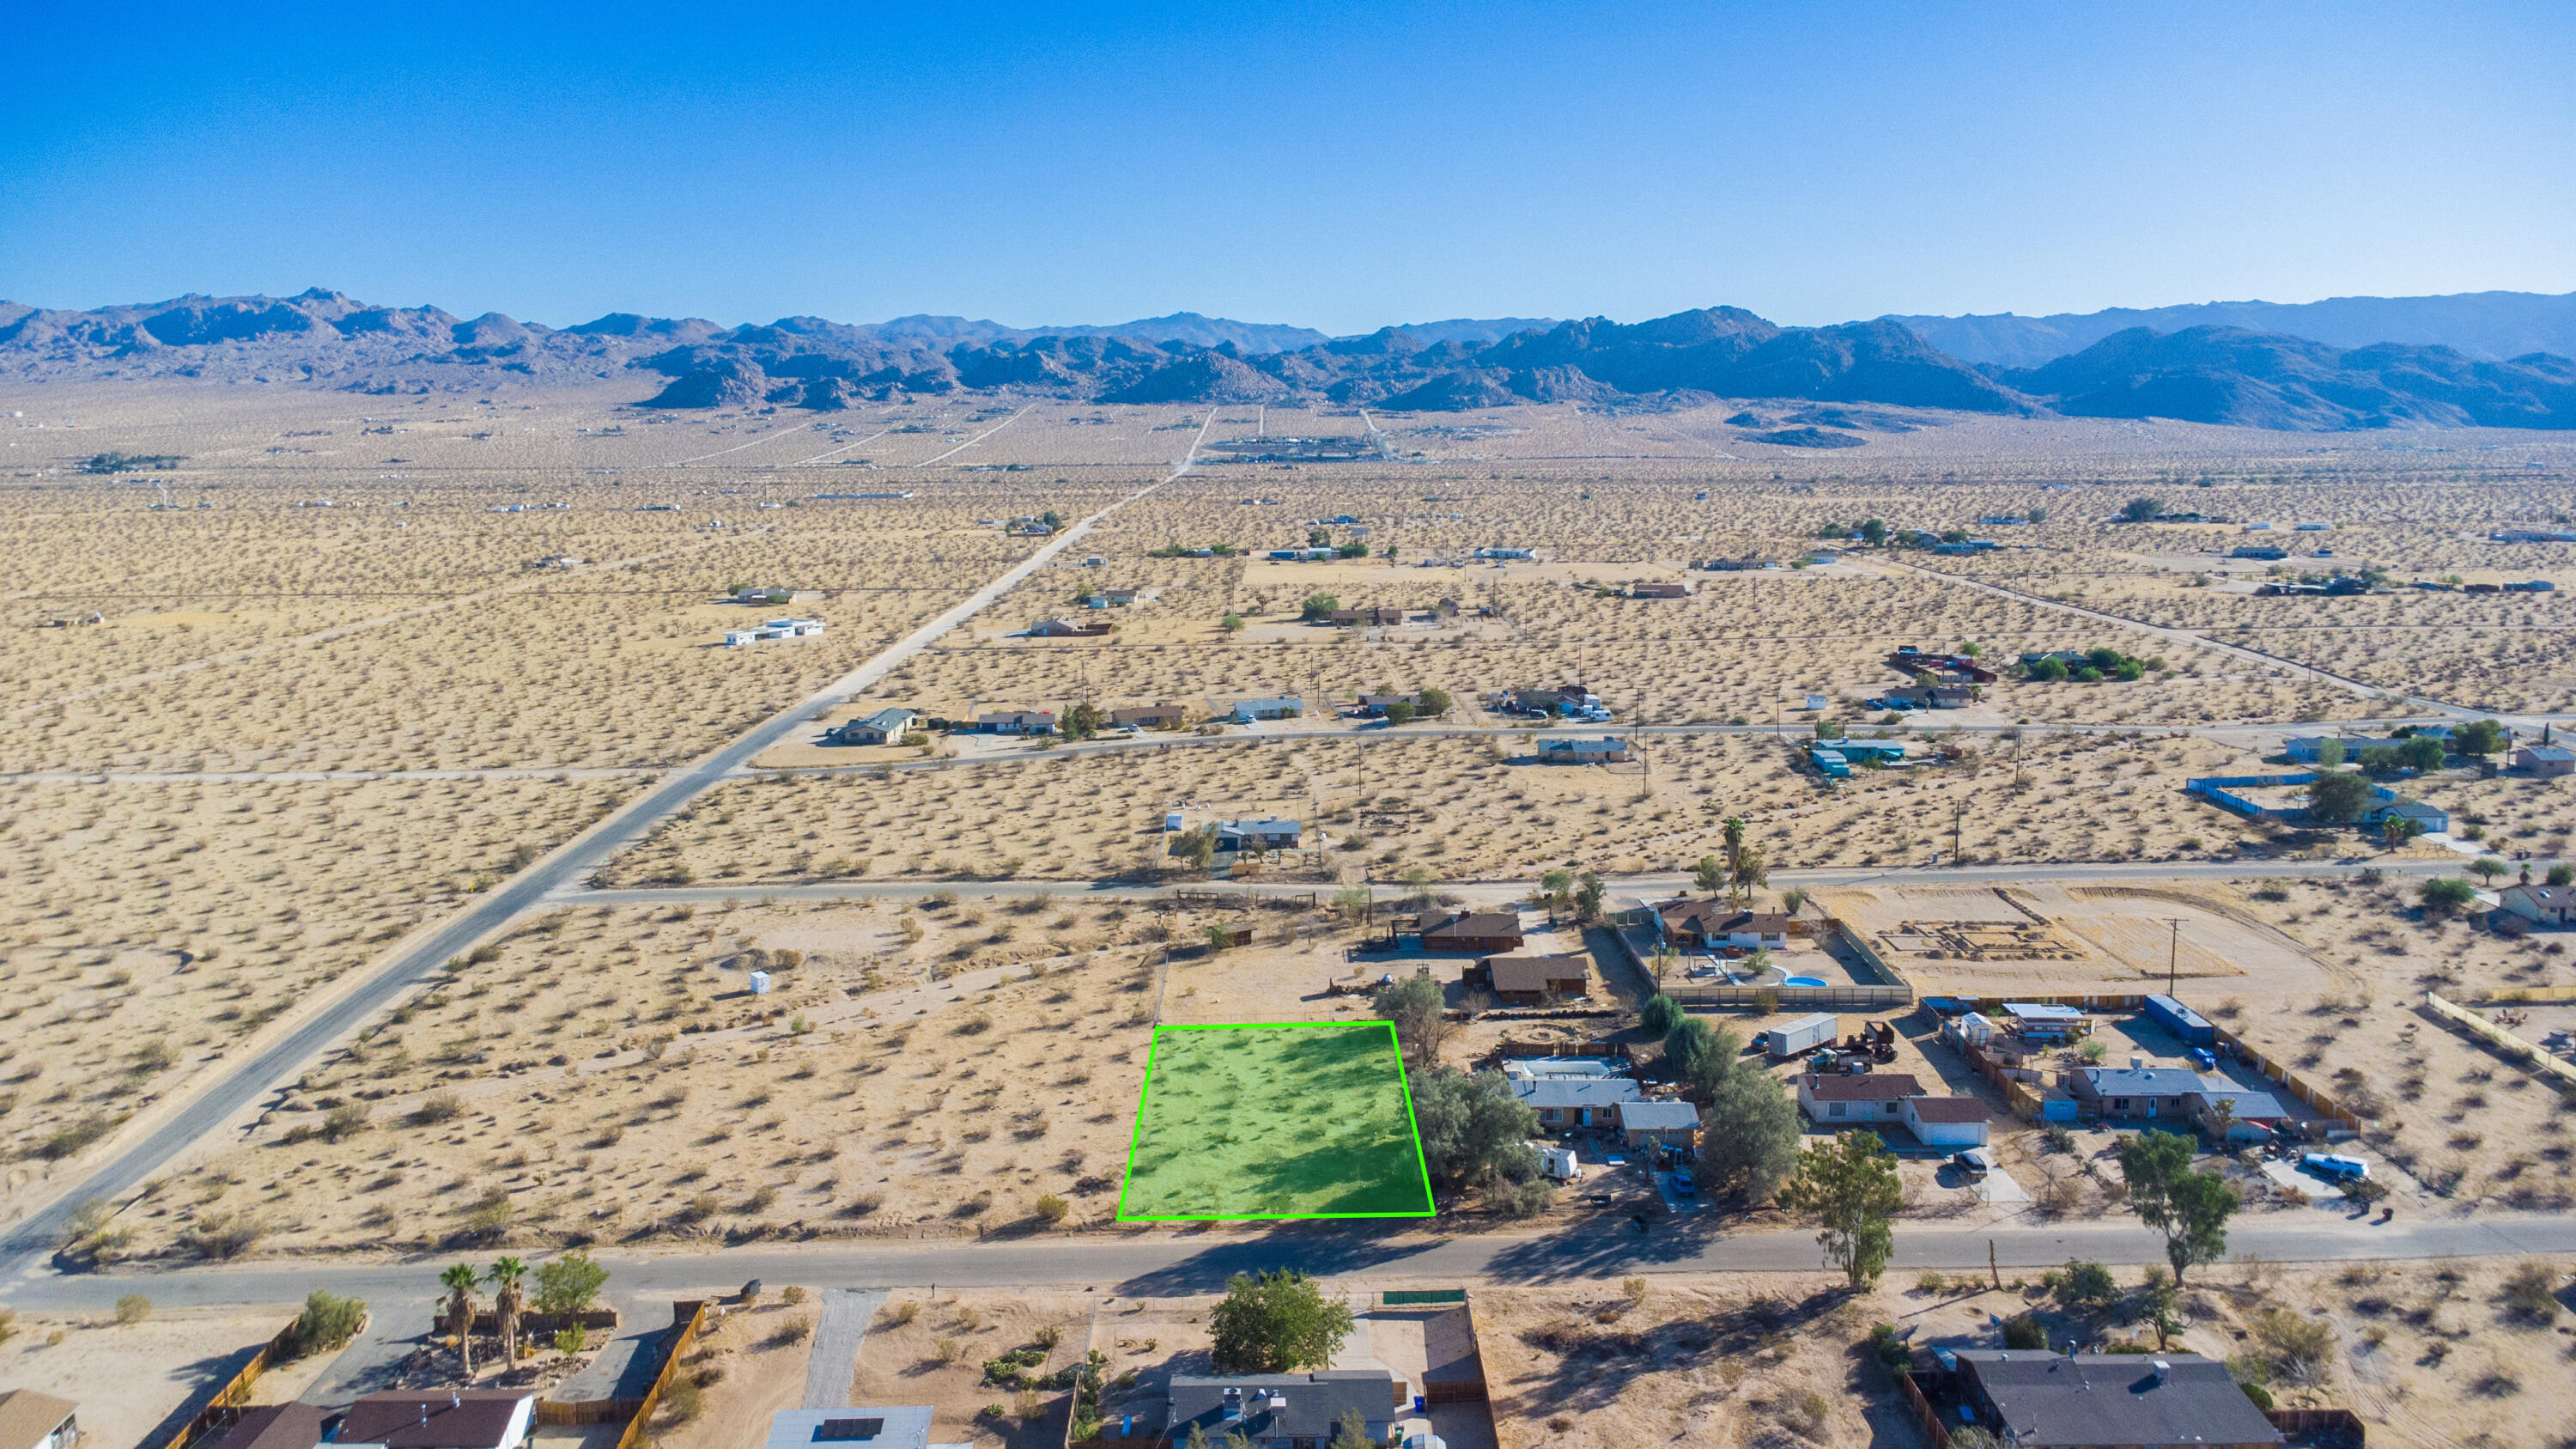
pixel 1275 1122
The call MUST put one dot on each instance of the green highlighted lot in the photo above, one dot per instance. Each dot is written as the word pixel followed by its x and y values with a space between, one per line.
pixel 1294 1120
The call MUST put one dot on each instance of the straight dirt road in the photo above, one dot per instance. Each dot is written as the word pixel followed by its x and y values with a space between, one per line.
pixel 205 1111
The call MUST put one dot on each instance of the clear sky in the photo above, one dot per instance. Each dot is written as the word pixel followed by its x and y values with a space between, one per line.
pixel 1335 165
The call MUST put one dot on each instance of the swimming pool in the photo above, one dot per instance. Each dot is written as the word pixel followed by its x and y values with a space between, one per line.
pixel 1804 981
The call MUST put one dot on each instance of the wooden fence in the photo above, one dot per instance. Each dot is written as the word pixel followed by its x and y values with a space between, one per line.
pixel 221 1410
pixel 2340 1427
pixel 2503 1041
pixel 2297 1086
pixel 1793 998
pixel 1938 1436
pixel 691 1317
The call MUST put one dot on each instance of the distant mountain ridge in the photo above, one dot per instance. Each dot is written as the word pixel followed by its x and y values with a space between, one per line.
pixel 2210 374
pixel 2489 325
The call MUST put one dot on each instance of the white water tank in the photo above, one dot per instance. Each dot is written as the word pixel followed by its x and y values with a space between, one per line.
pixel 760 983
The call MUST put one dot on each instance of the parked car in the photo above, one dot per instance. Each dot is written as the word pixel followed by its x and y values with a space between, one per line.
pixel 1684 1185
pixel 1974 1162
pixel 2335 1167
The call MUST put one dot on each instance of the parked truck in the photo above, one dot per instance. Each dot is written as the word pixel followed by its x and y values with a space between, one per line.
pixel 1801 1036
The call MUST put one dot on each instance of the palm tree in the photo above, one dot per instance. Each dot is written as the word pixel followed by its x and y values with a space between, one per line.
pixel 460 1281
pixel 505 1277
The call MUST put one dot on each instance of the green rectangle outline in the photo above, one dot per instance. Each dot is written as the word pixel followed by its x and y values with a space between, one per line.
pixel 1403 1079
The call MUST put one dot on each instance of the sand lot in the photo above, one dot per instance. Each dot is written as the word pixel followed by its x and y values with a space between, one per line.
pixel 129 1379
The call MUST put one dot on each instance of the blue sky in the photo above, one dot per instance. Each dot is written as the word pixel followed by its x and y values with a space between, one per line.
pixel 1337 166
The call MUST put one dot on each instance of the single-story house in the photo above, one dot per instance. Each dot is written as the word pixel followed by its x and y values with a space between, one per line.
pixel 269 1426
pixel 1149 716
pixel 1259 835
pixel 1483 932
pixel 1946 1121
pixel 1660 1123
pixel 2135 1093
pixel 1839 1100
pixel 1302 555
pixel 2428 819
pixel 773 629
pixel 1284 1411
pixel 2546 761
pixel 1603 751
pixel 882 727
pixel 2046 1021
pixel 1832 764
pixel 1016 722
pixel 1707 924
pixel 1530 980
pixel 2310 749
pixel 900 1427
pixel 439 1419
pixel 2251 1115
pixel 1369 618
pixel 1886 752
pixel 2542 905
pixel 2035 1399
pixel 1375 705
pixel 1938 696
pixel 1645 589
pixel 2259 551
pixel 30 1420
pixel 1562 1102
pixel 1245 711
pixel 1067 629
pixel 1503 553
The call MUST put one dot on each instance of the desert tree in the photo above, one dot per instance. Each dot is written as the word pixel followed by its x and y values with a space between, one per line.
pixel 1852 1187
pixel 1419 1007
pixel 1275 1323
pixel 2190 1208
pixel 1710 874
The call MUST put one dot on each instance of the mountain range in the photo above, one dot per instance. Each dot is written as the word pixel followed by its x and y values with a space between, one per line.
pixel 2199 373
pixel 2491 326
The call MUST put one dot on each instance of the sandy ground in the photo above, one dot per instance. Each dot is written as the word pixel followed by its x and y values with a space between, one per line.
pixel 128 1378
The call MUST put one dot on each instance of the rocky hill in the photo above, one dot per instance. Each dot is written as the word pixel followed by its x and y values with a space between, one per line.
pixel 2265 380
pixel 2491 326
pixel 2202 374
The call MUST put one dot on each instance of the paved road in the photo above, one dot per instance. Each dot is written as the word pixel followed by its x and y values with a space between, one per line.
pixel 2023 873
pixel 1166 1262
pixel 210 1107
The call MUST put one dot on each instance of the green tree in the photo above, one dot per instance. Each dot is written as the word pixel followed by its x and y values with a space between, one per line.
pixel 2488 868
pixel 2446 895
pixel 1432 702
pixel 1276 1323
pixel 1083 721
pixel 2087 1286
pixel 2395 829
pixel 1400 712
pixel 2478 738
pixel 1052 519
pixel 1660 1015
pixel 1588 893
pixel 2141 510
pixel 1853 1187
pixel 2338 797
pixel 1318 606
pixel 1751 1141
pixel 2562 875
pixel 1319 538
pixel 1475 1132
pixel 1709 875
pixel 460 1280
pixel 1417 885
pixel 1195 847
pixel 327 1322
pixel 1351 1432
pixel 569 1284
pixel 2421 752
pixel 1747 871
pixel 1701 1056
pixel 1419 1007
pixel 1556 891
pixel 1231 623
pixel 2190 1208
pixel 1873 532
pixel 2330 754
pixel 505 1276
pixel 1355 903
pixel 2048 669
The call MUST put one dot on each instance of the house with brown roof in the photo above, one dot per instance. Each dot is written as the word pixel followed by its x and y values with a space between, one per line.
pixel 1703 925
pixel 1644 589
pixel 1946 1121
pixel 2541 905
pixel 30 1420
pixel 439 1419
pixel 1365 618
pixel 1483 932
pixel 1866 1099
pixel 1149 716
pixel 270 1426
pixel 1530 980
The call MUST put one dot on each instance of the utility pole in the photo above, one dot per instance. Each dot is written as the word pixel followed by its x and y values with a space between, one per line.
pixel 2173 951
pixel 1958 818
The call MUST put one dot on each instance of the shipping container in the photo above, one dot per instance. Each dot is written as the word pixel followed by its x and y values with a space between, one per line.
pixel 1803 1035
pixel 2193 1028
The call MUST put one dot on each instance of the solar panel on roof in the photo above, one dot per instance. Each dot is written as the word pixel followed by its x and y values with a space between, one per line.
pixel 844 1431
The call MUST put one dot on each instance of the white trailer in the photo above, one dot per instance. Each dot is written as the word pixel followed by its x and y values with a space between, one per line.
pixel 1803 1035
pixel 1558 1164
